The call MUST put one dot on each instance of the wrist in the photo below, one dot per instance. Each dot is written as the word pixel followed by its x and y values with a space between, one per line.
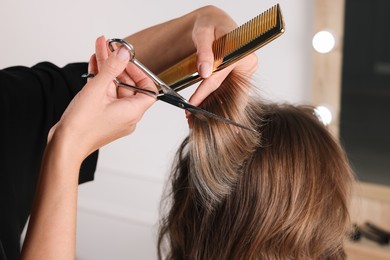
pixel 66 145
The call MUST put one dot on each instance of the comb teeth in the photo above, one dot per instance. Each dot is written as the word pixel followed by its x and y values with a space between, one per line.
pixel 246 33
pixel 229 48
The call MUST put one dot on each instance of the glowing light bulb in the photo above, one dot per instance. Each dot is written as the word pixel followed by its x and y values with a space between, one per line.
pixel 324 115
pixel 323 42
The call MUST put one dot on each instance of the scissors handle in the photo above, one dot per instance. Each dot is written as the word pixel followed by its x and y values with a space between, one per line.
pixel 169 95
pixel 164 87
pixel 120 83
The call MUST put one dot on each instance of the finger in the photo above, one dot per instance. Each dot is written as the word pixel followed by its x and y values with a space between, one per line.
pixel 139 77
pixel 203 39
pixel 139 103
pixel 101 52
pixel 134 76
pixel 144 83
pixel 92 66
pixel 114 65
pixel 123 91
pixel 245 67
pixel 126 78
pixel 135 106
pixel 208 86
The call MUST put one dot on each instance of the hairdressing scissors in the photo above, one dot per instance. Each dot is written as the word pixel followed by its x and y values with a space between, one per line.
pixel 167 94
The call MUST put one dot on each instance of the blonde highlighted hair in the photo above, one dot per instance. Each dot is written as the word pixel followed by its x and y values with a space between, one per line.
pixel 281 193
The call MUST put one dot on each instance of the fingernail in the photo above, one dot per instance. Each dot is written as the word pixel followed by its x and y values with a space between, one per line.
pixel 123 54
pixel 205 70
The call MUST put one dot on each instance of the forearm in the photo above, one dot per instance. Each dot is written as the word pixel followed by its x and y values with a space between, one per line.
pixel 163 45
pixel 52 228
pixel 95 117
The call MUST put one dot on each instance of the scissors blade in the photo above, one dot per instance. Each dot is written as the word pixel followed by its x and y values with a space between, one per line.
pixel 169 95
pixel 197 111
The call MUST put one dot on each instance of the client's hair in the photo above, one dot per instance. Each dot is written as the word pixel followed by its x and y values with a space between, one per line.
pixel 281 193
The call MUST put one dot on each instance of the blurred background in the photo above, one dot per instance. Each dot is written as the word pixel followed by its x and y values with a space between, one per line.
pixel 118 212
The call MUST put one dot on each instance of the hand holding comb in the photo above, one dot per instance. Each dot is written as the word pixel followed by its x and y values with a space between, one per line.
pixel 229 48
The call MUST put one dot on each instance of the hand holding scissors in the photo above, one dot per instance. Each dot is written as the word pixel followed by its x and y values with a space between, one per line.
pixel 166 94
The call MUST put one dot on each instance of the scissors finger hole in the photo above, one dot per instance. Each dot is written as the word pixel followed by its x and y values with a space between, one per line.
pixel 125 92
pixel 115 43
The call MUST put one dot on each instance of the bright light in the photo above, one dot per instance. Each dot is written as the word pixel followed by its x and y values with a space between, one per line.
pixel 324 115
pixel 323 42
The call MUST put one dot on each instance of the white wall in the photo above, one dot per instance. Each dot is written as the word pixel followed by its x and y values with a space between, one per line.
pixel 118 212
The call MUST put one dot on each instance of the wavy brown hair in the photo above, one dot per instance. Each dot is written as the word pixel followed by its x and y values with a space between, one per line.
pixel 281 193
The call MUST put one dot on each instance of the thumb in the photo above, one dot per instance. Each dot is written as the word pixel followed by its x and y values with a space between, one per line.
pixel 114 65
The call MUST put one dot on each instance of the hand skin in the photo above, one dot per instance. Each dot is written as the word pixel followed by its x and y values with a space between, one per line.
pixel 163 45
pixel 95 117
pixel 99 114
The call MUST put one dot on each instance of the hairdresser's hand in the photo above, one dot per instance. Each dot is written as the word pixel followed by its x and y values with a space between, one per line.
pixel 131 75
pixel 247 66
pixel 163 45
pixel 97 116
pixel 211 24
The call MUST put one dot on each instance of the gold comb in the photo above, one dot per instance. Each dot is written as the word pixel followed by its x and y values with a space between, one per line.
pixel 229 48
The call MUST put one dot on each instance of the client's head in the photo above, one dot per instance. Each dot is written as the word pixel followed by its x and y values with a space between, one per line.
pixel 281 193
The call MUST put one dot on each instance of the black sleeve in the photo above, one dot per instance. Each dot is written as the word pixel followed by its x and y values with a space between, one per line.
pixel 32 100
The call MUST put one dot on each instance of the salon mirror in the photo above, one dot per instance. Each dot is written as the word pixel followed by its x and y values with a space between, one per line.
pixel 364 127
pixel 353 80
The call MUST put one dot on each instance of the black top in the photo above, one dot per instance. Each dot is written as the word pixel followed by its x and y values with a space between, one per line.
pixel 32 100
